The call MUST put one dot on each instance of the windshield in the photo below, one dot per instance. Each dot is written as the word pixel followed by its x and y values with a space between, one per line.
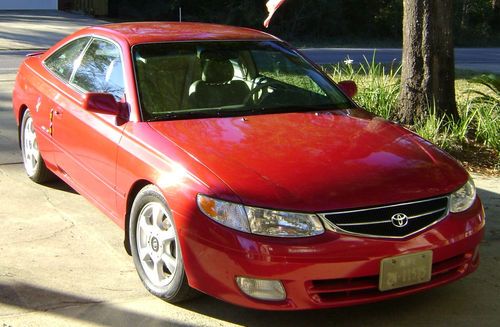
pixel 226 78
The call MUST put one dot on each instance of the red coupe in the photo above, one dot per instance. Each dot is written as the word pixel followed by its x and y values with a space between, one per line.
pixel 237 168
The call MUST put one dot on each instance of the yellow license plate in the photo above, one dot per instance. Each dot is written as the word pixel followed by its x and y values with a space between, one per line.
pixel 405 270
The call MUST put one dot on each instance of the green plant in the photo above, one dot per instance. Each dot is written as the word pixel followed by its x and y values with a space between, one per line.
pixel 478 105
pixel 491 82
pixel 487 104
pixel 435 129
pixel 488 125
pixel 378 84
pixel 461 129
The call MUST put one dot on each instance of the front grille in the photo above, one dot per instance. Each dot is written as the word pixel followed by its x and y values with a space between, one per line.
pixel 351 289
pixel 383 221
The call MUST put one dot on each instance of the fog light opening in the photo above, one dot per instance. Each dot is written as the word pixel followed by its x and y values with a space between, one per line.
pixel 262 289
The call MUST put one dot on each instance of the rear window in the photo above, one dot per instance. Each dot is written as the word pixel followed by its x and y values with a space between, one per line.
pixel 63 60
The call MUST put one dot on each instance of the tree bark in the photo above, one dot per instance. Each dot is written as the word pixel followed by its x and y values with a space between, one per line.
pixel 428 73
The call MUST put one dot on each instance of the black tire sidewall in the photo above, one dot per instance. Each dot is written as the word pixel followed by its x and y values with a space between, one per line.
pixel 147 195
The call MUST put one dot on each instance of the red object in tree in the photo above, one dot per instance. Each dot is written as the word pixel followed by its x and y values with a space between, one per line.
pixel 272 6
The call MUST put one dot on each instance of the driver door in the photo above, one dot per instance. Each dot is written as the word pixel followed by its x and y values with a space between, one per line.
pixel 88 141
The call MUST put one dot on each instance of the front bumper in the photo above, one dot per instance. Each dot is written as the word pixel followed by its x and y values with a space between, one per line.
pixel 329 270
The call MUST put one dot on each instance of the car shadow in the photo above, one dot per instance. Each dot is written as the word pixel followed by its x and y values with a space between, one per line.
pixel 60 185
pixel 32 298
pixel 491 204
pixel 375 314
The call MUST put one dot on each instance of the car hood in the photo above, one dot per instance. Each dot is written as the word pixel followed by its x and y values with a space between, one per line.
pixel 316 161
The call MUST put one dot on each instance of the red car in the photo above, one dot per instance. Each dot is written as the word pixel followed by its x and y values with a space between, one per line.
pixel 238 169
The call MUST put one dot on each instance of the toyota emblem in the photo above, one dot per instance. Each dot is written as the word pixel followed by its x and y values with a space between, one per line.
pixel 399 220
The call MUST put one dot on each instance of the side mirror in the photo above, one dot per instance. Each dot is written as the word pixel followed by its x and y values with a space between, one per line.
pixel 102 103
pixel 349 88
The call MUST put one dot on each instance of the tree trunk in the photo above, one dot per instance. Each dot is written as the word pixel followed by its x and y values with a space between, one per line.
pixel 428 73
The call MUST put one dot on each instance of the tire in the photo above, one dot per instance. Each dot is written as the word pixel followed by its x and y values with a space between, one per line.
pixel 33 162
pixel 154 243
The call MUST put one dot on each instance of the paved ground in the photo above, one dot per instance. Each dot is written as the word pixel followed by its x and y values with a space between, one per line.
pixel 62 263
pixel 38 29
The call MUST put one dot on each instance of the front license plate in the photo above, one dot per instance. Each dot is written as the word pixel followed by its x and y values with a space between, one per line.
pixel 405 270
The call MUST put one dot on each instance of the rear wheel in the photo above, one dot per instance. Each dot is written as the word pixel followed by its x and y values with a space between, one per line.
pixel 33 162
pixel 155 247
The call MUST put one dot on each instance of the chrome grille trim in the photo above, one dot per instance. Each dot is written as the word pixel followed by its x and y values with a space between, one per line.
pixel 386 206
pixel 388 221
pixel 337 227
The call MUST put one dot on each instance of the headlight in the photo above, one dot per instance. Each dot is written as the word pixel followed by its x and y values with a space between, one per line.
pixel 228 214
pixel 463 199
pixel 284 224
pixel 260 221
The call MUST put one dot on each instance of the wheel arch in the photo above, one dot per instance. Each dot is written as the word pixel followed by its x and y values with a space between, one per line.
pixel 22 110
pixel 134 190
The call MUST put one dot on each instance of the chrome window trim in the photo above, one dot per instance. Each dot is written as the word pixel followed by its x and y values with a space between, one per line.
pixel 335 228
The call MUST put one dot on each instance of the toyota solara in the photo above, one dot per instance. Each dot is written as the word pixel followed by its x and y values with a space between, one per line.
pixel 238 169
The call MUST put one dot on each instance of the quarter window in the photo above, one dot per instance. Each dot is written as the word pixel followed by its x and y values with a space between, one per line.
pixel 63 60
pixel 100 69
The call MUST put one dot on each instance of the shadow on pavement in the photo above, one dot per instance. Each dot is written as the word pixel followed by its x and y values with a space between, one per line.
pixel 369 314
pixel 59 185
pixel 33 298
pixel 491 203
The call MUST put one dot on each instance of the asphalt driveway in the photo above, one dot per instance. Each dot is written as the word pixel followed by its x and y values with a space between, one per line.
pixel 62 261
pixel 38 29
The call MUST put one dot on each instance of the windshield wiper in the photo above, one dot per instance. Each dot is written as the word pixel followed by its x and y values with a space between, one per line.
pixel 209 113
pixel 182 115
pixel 301 108
pixel 225 112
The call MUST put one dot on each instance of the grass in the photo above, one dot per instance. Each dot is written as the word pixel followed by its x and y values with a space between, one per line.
pixel 474 139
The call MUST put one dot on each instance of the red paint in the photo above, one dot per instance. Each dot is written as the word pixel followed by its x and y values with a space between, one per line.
pixel 309 162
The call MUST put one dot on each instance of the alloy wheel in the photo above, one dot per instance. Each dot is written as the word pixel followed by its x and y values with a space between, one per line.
pixel 31 155
pixel 157 244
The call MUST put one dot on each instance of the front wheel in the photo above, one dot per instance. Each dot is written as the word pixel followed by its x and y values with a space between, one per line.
pixel 155 247
pixel 33 162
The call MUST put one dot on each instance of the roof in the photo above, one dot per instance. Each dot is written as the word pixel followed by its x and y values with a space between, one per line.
pixel 148 32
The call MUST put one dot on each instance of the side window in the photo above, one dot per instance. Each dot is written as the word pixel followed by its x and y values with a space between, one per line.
pixel 63 60
pixel 101 69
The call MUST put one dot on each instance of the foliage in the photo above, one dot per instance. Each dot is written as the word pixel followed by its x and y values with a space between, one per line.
pixel 492 82
pixel 378 84
pixel 327 21
pixel 476 23
pixel 486 102
pixel 434 128
pixel 478 104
